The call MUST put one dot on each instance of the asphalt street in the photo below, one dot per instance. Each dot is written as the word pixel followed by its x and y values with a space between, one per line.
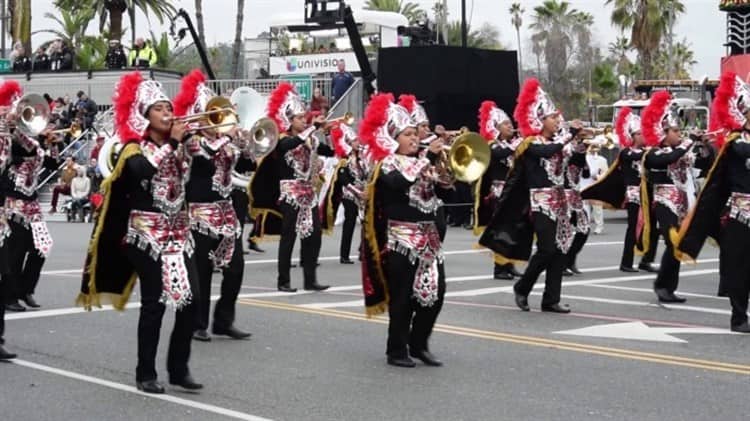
pixel 314 356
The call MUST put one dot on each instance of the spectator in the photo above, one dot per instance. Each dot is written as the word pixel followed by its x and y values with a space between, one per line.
pixel 97 147
pixel 322 49
pixel 95 174
pixel 86 109
pixel 318 101
pixel 50 101
pixel 116 58
pixel 21 62
pixel 41 60
pixel 342 80
pixel 80 189
pixel 60 56
pixel 332 48
pixel 69 171
pixel 142 55
pixel 597 168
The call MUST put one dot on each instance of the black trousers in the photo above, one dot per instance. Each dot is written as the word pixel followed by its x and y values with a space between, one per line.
pixel 230 284
pixel 152 312
pixel 734 268
pixel 24 263
pixel 669 271
pixel 633 210
pixel 350 221
pixel 240 203
pixel 3 286
pixel 548 258
pixel 310 246
pixel 410 323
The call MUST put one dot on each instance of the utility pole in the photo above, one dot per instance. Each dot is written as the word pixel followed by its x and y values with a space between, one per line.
pixel 3 14
pixel 444 23
pixel 464 35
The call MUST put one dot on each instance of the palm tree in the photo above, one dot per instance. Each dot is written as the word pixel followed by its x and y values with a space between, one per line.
pixel 72 26
pixel 676 65
pixel 486 37
pixel 412 11
pixel 236 48
pixel 91 53
pixel 113 10
pixel 516 12
pixel 648 21
pixel 556 26
pixel 619 51
pixel 20 15
pixel 199 21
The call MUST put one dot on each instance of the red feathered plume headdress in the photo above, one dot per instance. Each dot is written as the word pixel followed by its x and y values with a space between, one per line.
pixel 532 107
pixel 193 94
pixel 10 91
pixel 383 122
pixel 341 137
pixel 656 118
pixel 131 101
pixel 626 126
pixel 283 104
pixel 489 117
pixel 731 104
pixel 416 112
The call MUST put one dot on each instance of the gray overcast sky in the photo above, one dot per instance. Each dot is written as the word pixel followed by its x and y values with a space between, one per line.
pixel 703 25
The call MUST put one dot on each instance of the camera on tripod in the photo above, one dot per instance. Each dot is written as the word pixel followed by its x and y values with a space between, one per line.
pixel 422 33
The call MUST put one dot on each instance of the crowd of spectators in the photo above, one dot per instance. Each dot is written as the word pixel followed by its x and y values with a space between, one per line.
pixel 57 55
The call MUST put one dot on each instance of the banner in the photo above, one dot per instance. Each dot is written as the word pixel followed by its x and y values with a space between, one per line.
pixel 310 64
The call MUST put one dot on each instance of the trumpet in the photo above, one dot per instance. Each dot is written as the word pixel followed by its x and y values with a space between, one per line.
pixel 347 119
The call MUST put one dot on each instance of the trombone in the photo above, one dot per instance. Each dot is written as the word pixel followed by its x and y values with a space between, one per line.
pixel 467 158
pixel 219 114
pixel 74 130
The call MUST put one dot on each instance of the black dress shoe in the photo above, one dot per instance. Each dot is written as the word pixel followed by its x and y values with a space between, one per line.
pixel 201 335
pixel 743 328
pixel 232 332
pixel 346 261
pixel 426 357
pixel 252 245
pixel 150 386
pixel 316 287
pixel 567 272
pixel 503 276
pixel 30 301
pixel 575 270
pixel 15 307
pixel 629 269
pixel 556 308
pixel 402 362
pixel 665 296
pixel 648 267
pixel 513 271
pixel 186 382
pixel 287 288
pixel 6 355
pixel 522 302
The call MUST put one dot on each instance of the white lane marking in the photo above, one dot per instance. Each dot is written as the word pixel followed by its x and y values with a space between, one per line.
pixel 354 303
pixel 683 307
pixel 642 332
pixel 687 294
pixel 130 389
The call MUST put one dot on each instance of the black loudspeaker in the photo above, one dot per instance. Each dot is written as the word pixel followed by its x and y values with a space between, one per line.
pixel 452 82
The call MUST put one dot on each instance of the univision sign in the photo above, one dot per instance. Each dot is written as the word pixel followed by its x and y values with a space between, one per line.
pixel 312 63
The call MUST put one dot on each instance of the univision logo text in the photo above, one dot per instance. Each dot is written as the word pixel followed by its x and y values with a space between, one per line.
pixel 294 64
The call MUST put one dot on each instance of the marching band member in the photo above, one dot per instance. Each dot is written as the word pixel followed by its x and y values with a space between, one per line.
pixel 213 221
pixel 346 188
pixel 283 196
pixel 575 167
pixel 497 128
pixel 722 210
pixel 7 91
pixel 403 258
pixel 621 187
pixel 144 218
pixel 29 235
pixel 533 202
pixel 669 164
pixel 419 119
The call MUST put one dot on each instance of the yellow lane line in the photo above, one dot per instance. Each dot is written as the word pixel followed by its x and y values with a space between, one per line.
pixel 524 340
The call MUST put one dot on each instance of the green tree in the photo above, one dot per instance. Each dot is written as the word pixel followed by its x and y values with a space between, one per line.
pixel 648 21
pixel 558 29
pixel 72 26
pixel 618 51
pixel 516 12
pixel 20 23
pixel 91 53
pixel 412 11
pixel 163 50
pixel 112 11
pixel 487 36
pixel 682 61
